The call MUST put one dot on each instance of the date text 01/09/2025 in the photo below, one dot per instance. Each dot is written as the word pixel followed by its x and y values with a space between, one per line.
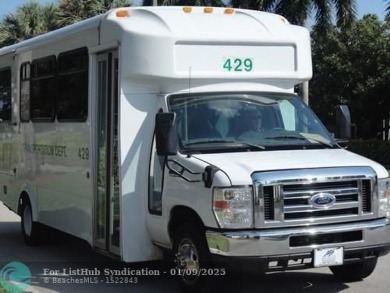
pixel 198 272
pixel 132 272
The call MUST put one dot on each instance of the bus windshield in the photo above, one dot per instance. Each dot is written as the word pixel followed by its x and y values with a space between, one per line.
pixel 253 121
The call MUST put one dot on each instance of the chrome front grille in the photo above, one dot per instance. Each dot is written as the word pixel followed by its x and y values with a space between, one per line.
pixel 296 199
pixel 314 196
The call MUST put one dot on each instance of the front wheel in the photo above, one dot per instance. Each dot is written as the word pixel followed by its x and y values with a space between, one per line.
pixel 355 271
pixel 191 256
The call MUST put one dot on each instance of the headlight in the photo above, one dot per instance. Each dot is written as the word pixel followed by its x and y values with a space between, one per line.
pixel 233 207
pixel 384 197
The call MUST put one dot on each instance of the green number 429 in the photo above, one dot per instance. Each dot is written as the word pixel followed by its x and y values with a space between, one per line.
pixel 238 64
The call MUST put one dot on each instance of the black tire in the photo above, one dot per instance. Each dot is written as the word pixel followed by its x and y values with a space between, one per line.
pixel 191 254
pixel 32 231
pixel 356 271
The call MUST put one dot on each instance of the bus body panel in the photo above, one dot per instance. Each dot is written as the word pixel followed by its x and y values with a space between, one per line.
pixel 48 154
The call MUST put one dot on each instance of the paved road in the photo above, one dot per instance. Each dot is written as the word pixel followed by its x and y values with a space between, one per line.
pixel 70 254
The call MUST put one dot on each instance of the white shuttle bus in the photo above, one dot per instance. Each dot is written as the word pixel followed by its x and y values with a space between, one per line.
pixel 177 128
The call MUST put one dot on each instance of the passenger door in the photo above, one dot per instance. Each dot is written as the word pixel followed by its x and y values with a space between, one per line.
pixel 9 133
pixel 107 198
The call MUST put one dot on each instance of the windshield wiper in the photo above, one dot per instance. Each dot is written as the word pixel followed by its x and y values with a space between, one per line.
pixel 302 138
pixel 236 143
pixel 261 147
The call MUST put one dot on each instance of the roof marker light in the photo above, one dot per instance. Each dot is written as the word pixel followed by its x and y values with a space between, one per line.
pixel 208 10
pixel 122 13
pixel 229 11
pixel 187 9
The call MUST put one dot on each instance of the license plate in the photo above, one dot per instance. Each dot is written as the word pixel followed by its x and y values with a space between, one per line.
pixel 325 257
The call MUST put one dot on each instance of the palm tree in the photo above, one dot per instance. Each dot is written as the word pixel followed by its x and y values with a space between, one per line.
pixel 388 11
pixel 298 11
pixel 30 20
pixel 72 11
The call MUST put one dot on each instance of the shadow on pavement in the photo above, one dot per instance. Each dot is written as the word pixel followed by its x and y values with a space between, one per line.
pixel 68 264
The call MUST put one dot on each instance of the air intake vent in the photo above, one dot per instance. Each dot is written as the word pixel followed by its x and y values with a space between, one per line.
pixel 366 196
pixel 269 208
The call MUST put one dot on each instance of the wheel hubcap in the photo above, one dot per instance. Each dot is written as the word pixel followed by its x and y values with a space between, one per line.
pixel 187 260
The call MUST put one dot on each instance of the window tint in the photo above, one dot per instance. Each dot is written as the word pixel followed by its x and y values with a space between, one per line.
pixel 25 76
pixel 43 89
pixel 5 94
pixel 72 103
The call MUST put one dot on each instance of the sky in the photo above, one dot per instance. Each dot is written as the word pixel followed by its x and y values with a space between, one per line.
pixel 363 6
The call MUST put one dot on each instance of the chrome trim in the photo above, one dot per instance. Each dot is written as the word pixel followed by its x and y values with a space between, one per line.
pixel 314 175
pixel 311 208
pixel 277 242
pixel 360 189
pixel 341 191
pixel 297 187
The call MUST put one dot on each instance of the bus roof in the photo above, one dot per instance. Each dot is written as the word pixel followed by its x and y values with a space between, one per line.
pixel 211 43
pixel 201 42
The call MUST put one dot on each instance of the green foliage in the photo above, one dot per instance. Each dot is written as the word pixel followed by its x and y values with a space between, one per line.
pixel 30 20
pixel 388 11
pixel 298 11
pixel 377 150
pixel 72 11
pixel 351 66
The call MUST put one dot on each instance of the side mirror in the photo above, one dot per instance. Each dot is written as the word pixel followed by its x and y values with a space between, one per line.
pixel 166 134
pixel 343 122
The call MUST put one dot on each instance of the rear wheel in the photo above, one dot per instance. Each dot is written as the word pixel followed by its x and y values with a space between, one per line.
pixel 32 231
pixel 355 271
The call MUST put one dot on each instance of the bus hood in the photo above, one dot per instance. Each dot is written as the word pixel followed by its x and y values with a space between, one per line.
pixel 239 166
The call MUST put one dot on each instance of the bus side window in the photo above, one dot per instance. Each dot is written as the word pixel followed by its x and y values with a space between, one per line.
pixel 72 100
pixel 43 89
pixel 5 94
pixel 25 70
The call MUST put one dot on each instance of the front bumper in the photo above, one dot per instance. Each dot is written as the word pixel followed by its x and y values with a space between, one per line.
pixel 270 244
